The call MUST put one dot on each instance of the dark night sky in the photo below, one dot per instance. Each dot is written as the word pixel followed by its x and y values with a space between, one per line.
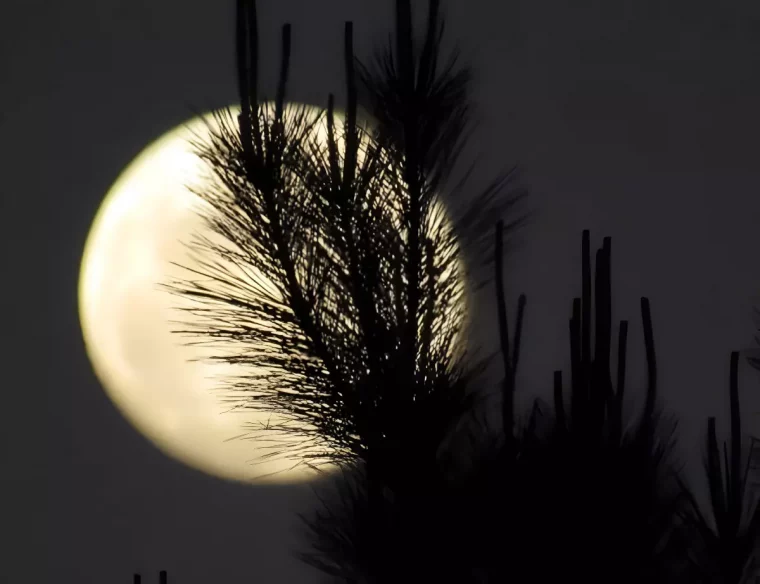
pixel 637 119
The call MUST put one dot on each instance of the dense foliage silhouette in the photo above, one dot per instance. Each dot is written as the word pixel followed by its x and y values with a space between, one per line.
pixel 350 324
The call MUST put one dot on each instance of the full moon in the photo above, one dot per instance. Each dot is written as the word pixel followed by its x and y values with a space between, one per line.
pixel 161 385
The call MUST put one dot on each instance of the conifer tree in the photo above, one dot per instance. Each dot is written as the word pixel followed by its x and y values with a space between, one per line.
pixel 341 286
pixel 356 304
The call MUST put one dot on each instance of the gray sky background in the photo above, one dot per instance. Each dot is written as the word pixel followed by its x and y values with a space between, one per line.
pixel 636 119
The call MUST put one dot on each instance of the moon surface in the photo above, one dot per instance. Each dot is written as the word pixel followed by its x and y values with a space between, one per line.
pixel 159 383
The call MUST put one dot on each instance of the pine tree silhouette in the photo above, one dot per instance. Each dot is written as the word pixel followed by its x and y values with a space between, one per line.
pixel 365 353
pixel 350 322
pixel 725 552
pixel 578 494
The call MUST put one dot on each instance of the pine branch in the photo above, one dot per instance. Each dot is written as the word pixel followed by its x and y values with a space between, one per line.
pixel 726 552
pixel 509 358
pixel 615 485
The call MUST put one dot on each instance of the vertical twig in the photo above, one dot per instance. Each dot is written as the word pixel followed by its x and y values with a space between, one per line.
pixel 620 386
pixel 737 489
pixel 247 45
pixel 603 343
pixel 427 66
pixel 577 402
pixel 585 315
pixel 279 104
pixel 559 404
pixel 404 44
pixel 406 66
pixel 596 393
pixel 646 318
pixel 518 336
pixel 352 144
pixel 606 327
pixel 282 82
pixel 508 388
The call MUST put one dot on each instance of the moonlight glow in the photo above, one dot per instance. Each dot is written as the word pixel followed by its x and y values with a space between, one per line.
pixel 148 372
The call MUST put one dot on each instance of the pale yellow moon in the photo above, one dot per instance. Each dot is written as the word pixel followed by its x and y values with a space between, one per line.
pixel 148 372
